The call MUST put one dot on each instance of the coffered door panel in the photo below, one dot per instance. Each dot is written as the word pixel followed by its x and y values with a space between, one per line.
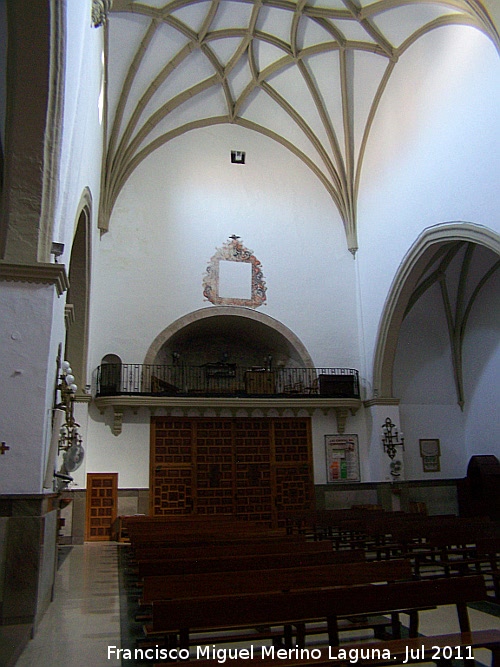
pixel 171 477
pixel 101 505
pixel 213 454
pixel 293 472
pixel 252 448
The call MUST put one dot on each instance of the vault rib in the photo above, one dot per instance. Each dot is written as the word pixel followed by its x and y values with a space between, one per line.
pixel 341 174
pixel 146 97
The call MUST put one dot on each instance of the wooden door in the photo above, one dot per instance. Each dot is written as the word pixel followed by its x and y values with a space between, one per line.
pixel 252 468
pixel 171 468
pixel 253 454
pixel 213 461
pixel 292 464
pixel 101 505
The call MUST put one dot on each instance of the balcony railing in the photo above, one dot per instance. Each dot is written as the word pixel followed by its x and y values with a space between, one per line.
pixel 223 379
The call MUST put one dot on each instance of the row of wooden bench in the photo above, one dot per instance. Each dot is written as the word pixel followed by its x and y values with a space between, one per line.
pixel 442 545
pixel 296 583
pixel 437 546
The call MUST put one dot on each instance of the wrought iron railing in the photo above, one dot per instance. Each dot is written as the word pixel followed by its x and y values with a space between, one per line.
pixel 223 379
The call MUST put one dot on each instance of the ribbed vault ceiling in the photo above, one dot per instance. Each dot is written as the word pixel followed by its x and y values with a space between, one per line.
pixel 308 74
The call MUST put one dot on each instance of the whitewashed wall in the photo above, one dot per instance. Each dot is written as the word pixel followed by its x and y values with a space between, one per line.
pixel 185 201
pixel 82 126
pixel 178 207
pixel 81 153
pixel 432 159
pixel 481 373
pixel 25 331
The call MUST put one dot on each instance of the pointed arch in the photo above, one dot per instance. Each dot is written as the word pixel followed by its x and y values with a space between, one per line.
pixel 78 296
pixel 403 287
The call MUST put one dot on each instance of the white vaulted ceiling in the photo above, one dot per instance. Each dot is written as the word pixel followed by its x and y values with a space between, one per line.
pixel 308 74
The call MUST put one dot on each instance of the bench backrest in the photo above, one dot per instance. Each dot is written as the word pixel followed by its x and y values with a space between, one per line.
pixel 269 580
pixel 224 612
pixel 168 534
pixel 247 547
pixel 251 562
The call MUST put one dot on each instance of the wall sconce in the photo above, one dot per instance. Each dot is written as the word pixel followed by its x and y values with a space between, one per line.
pixel 391 439
pixel 3 448
pixel 57 250
pixel 68 435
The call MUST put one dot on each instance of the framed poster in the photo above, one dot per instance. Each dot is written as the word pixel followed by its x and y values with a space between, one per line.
pixel 342 458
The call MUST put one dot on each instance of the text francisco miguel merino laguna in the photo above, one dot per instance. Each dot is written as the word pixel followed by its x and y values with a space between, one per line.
pixel 353 655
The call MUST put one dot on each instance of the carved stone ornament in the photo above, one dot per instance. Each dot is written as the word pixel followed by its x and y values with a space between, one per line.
pixel 100 10
pixel 234 251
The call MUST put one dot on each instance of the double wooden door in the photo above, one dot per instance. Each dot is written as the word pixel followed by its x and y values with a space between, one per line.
pixel 251 468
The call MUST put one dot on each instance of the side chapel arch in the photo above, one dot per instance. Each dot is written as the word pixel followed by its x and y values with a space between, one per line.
pixel 403 287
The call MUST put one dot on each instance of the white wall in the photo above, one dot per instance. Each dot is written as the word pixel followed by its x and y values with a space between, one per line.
pixel 433 159
pixel 182 203
pixel 80 163
pixel 25 368
pixel 81 150
pixel 481 352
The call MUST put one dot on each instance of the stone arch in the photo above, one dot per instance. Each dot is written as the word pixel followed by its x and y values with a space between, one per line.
pixel 259 322
pixel 403 285
pixel 78 296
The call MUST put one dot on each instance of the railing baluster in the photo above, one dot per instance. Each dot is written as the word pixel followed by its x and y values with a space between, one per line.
pixel 221 380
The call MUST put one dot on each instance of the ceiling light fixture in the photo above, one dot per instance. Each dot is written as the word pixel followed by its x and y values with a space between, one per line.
pixel 238 157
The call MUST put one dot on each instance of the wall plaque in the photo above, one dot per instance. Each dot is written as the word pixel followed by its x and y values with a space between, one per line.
pixel 342 458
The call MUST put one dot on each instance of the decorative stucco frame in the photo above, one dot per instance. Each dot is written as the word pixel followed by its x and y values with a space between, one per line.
pixel 234 251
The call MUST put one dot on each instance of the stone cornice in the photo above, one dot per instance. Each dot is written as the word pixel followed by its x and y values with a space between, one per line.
pixel 341 406
pixel 83 398
pixel 372 402
pixel 42 274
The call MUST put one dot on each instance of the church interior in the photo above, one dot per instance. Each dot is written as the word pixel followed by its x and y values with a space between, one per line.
pixel 249 271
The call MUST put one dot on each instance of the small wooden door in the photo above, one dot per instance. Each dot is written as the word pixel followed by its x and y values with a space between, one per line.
pixel 101 505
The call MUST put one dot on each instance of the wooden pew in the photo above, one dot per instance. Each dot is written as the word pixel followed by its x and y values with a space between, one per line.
pixel 311 578
pixel 192 523
pixel 254 546
pixel 176 620
pixel 248 562
pixel 488 552
pixel 449 548
pixel 165 535
pixel 313 522
pixel 269 580
pixel 409 651
pixel 166 529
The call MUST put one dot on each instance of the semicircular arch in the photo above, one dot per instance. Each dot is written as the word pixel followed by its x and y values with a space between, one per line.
pixel 260 321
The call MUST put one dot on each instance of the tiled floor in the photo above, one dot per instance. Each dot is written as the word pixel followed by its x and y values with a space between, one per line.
pixel 84 618
pixel 90 614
